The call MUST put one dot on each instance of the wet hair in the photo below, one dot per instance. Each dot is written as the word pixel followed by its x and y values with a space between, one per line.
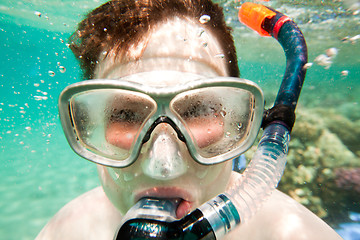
pixel 120 24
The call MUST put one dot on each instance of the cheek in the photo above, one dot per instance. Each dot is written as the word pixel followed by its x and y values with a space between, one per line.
pixel 116 188
pixel 121 135
pixel 206 131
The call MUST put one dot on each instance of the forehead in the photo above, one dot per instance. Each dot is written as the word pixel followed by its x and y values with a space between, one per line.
pixel 176 45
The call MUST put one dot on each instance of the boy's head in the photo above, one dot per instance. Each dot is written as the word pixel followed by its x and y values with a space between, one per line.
pixel 118 26
pixel 176 42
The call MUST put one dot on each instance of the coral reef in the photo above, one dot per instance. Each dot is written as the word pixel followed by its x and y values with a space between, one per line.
pixel 323 142
pixel 348 179
pixel 323 164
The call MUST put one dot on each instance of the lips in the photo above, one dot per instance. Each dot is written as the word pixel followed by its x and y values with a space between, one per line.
pixel 184 202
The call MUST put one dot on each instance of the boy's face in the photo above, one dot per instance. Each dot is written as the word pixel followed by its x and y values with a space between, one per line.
pixel 164 168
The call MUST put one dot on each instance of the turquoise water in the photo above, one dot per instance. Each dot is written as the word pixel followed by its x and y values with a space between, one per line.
pixel 40 173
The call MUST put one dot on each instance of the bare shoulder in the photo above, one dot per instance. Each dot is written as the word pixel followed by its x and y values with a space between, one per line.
pixel 281 217
pixel 89 216
pixel 92 216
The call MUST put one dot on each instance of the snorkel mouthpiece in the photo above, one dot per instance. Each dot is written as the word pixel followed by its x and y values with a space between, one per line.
pixel 155 219
pixel 240 202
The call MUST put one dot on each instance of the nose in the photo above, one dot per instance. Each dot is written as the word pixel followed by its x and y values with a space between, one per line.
pixel 163 155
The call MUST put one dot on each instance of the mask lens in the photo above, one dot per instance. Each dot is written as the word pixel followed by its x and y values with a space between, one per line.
pixel 218 119
pixel 107 121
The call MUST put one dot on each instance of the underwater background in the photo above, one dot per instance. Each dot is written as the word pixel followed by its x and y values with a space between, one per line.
pixel 40 173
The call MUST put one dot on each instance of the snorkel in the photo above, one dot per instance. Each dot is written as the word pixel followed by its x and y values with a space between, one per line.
pixel 154 218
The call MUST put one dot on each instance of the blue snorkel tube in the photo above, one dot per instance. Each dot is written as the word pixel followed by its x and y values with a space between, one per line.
pixel 154 218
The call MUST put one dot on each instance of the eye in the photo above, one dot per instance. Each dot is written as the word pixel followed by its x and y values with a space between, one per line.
pixel 198 109
pixel 191 108
pixel 124 115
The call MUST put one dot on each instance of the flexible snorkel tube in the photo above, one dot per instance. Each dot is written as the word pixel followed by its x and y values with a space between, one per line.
pixel 240 202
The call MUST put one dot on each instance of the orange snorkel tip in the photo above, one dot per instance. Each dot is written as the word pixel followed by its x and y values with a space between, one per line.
pixel 253 15
pixel 268 22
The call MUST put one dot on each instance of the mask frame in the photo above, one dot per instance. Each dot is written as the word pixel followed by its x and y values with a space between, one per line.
pixel 162 96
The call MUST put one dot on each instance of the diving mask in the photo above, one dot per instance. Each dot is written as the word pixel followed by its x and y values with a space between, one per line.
pixel 108 121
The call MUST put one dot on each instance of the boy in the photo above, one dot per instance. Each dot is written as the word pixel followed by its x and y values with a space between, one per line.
pixel 163 44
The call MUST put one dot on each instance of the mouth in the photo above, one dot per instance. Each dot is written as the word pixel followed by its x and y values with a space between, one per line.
pixel 182 198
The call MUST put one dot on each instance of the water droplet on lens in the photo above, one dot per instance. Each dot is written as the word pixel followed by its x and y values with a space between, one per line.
pixel 204 19
pixel 51 73
pixel 62 69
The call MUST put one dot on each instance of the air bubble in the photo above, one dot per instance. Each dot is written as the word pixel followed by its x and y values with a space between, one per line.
pixel 204 19
pixel 308 65
pixel 201 31
pixel 331 52
pixel 345 73
pixel 62 69
pixel 220 55
pixel 39 98
pixel 51 73
pixel 37 13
